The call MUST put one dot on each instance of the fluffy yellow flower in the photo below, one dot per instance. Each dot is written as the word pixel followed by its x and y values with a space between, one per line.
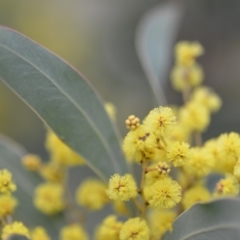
pixel 236 170
pixel 194 116
pixel 111 110
pixel 7 205
pixel 120 207
pixel 186 77
pixel 6 182
pixel 183 179
pixel 207 98
pixel 39 233
pixel 194 195
pixel 49 198
pixel 139 145
pixel 180 133
pixel 201 162
pixel 14 228
pixel 92 194
pixel 73 232
pixel 230 145
pixel 213 148
pixel 147 192
pixel 160 121
pixel 160 222
pixel 186 52
pixel 165 193
pixel 226 151
pixel 31 162
pixel 52 172
pixel 60 152
pixel 135 229
pixel 122 188
pixel 160 154
pixel 109 229
pixel 178 153
pixel 227 187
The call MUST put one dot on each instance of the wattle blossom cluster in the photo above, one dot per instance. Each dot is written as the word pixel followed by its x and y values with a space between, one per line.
pixel 168 149
pixel 174 160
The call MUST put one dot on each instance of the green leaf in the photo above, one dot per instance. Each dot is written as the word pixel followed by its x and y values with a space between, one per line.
pixel 10 158
pixel 154 42
pixel 218 219
pixel 63 99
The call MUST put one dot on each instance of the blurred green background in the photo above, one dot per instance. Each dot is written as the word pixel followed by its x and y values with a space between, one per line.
pixel 97 37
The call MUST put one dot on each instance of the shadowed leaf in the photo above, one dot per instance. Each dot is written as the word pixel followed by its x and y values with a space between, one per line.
pixel 218 219
pixel 154 40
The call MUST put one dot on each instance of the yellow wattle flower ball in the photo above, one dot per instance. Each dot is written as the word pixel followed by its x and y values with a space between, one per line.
pixel 160 222
pixel 213 148
pixel 230 145
pixel 91 194
pixel 227 152
pixel 111 110
pixel 186 52
pixel 135 229
pixel 109 229
pixel 227 187
pixel 52 172
pixel 60 152
pixel 73 232
pixel 207 98
pixel 178 153
pixel 194 195
pixel 48 198
pixel 121 188
pixel 180 133
pixel 164 193
pixel 39 233
pixel 160 121
pixel 6 183
pixel 14 228
pixel 183 78
pixel 31 162
pixel 120 208
pixel 139 145
pixel 201 162
pixel 236 170
pixel 7 205
pixel 194 116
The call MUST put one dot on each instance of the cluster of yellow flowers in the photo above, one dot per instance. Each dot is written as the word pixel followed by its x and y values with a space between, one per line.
pixel 170 139
pixel 174 162
pixel 8 203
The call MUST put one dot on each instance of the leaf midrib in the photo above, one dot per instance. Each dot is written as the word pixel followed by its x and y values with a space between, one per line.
pixel 111 155
pixel 210 229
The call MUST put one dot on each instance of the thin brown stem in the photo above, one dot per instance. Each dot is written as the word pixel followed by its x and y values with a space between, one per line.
pixel 3 222
pixel 137 204
pixel 197 138
pixel 150 170
pixel 72 212
pixel 143 208
pixel 186 94
pixel 9 219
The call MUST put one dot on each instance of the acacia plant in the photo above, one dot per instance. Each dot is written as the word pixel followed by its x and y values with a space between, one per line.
pixel 187 188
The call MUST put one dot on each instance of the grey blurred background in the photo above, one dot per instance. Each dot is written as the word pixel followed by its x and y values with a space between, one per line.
pixel 97 37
